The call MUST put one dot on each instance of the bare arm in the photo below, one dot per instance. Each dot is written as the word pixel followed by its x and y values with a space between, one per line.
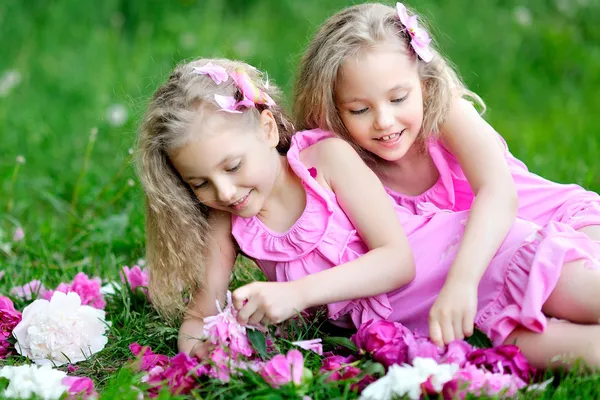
pixel 476 146
pixel 389 263
pixel 220 258
pixel 480 153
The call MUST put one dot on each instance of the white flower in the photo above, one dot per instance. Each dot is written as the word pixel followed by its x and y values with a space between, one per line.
pixel 29 380
pixel 406 380
pixel 60 331
pixel 116 115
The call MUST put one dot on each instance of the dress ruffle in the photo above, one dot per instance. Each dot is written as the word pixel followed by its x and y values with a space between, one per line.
pixel 531 276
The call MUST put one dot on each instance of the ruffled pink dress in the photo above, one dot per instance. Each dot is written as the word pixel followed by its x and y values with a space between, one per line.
pixel 511 293
pixel 540 200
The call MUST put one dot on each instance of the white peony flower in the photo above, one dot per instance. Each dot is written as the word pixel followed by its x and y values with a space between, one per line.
pixel 406 380
pixel 29 380
pixel 60 331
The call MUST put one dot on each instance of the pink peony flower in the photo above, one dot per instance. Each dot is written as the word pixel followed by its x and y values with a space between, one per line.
pixel 135 277
pixel 388 342
pixel 503 359
pixel 340 366
pixel 313 345
pixel 422 347
pixel 79 387
pixel 281 369
pixel 28 291
pixel 471 379
pixel 87 289
pixel 148 359
pixel 224 329
pixel 60 331
pixel 182 373
pixel 9 318
pixel 456 352
pixel 221 364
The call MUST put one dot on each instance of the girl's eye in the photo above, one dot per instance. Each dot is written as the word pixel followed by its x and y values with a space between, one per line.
pixel 400 100
pixel 200 185
pixel 358 112
pixel 233 169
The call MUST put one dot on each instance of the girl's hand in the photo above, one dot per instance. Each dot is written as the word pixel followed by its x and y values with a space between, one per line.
pixel 453 313
pixel 267 302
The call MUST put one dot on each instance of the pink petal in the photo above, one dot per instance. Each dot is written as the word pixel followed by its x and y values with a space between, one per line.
pixel 312 345
pixel 296 361
pixel 402 13
pixel 217 73
pixel 412 24
pixel 422 51
pixel 227 103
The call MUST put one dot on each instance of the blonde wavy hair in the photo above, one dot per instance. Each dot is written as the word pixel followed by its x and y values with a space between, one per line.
pixel 346 34
pixel 177 225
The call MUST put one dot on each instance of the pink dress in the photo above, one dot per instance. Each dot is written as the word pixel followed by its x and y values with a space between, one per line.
pixel 540 200
pixel 511 293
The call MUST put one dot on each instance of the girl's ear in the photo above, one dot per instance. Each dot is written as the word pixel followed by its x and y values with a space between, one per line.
pixel 268 126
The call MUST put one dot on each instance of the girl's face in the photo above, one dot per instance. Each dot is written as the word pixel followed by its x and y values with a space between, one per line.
pixel 229 164
pixel 379 98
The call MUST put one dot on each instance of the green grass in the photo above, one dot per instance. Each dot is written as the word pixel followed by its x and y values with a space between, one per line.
pixel 77 58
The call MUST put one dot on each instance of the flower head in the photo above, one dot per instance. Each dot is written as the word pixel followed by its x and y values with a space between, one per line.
pixel 27 381
pixel 87 289
pixel 60 331
pixel 420 39
pixel 9 318
pixel 224 329
pixel 281 369
pixel 29 290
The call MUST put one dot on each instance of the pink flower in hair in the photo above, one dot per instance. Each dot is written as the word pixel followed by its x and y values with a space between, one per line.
pixel 227 103
pixel 217 73
pixel 419 37
pixel 252 94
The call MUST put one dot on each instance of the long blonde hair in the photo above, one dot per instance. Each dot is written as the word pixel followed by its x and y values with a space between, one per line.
pixel 345 35
pixel 176 222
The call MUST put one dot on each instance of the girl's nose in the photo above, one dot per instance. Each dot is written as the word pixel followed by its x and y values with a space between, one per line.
pixel 225 191
pixel 384 119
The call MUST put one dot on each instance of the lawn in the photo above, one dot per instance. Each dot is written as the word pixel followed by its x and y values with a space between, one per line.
pixel 75 77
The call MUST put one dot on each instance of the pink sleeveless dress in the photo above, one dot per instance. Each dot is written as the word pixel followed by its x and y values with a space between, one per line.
pixel 540 200
pixel 511 293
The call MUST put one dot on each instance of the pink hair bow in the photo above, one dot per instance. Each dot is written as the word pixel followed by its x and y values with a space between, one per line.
pixel 419 37
pixel 251 94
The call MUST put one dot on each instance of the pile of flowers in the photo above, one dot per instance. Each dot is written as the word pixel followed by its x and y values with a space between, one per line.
pixel 382 360
pixel 61 326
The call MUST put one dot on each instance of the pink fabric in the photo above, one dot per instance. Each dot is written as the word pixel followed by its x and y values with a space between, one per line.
pixel 518 281
pixel 540 200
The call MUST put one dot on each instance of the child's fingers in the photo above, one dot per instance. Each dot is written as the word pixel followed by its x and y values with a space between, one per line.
pixel 435 333
pixel 240 296
pixel 256 318
pixel 249 309
pixel 457 325
pixel 468 324
pixel 447 330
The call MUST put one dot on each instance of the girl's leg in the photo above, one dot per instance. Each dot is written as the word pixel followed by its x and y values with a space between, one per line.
pixel 593 231
pixel 561 344
pixel 576 297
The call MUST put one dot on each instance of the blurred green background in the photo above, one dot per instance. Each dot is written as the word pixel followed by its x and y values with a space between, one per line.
pixel 69 66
